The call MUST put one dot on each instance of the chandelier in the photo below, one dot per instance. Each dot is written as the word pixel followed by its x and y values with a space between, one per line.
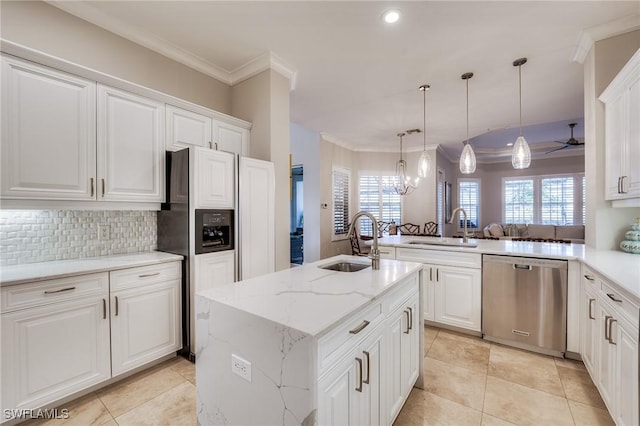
pixel 404 184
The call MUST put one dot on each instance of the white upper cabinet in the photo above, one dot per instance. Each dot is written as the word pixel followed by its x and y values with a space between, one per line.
pixel 187 128
pixel 215 179
pixel 622 132
pixel 130 147
pixel 231 138
pixel 48 133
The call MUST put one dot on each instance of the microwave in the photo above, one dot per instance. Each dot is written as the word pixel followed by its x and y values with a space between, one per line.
pixel 214 230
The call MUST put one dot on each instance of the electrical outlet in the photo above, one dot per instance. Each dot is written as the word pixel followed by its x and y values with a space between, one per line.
pixel 241 367
pixel 104 232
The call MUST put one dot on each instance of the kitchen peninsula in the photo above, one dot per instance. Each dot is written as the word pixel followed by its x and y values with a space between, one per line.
pixel 310 345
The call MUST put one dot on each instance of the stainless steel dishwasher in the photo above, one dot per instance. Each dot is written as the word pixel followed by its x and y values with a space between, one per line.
pixel 524 303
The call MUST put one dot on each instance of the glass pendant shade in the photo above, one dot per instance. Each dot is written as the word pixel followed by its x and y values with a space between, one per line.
pixel 404 183
pixel 424 165
pixel 521 154
pixel 467 160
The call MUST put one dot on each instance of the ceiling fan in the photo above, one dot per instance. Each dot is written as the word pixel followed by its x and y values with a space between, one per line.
pixel 567 144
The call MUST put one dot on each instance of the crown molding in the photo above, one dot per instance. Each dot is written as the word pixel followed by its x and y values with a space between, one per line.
pixel 589 36
pixel 268 60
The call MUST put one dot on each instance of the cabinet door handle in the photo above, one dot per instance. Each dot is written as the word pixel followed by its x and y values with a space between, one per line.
pixel 613 297
pixel 366 355
pixel 406 312
pixel 359 328
pixel 359 387
pixel 104 309
pixel 437 274
pixel 611 321
pixel 410 318
pixel 590 306
pixel 62 290
pixel 430 274
pixel 606 327
pixel 619 179
pixel 116 297
pixel 589 277
pixel 148 275
pixel 93 189
pixel 102 188
pixel 210 145
pixel 622 181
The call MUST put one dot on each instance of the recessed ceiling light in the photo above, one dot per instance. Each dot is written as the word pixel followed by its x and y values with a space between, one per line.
pixel 391 16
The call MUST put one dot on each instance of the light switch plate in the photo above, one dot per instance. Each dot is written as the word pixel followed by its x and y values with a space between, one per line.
pixel 241 367
pixel 104 232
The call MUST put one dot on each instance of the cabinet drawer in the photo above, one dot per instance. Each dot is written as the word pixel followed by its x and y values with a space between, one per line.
pixel 589 279
pixel 401 293
pixel 133 277
pixel 387 252
pixel 438 257
pixel 38 293
pixel 620 302
pixel 343 338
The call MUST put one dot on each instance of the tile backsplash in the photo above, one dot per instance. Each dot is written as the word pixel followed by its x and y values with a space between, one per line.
pixel 28 236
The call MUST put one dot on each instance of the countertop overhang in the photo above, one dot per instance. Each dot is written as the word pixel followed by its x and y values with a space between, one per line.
pixel 623 269
pixel 311 299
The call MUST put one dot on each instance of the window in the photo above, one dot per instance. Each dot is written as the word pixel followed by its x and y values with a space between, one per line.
pixel 378 197
pixel 340 202
pixel 469 200
pixel 548 200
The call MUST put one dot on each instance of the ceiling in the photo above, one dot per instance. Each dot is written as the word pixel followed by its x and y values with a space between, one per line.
pixel 357 78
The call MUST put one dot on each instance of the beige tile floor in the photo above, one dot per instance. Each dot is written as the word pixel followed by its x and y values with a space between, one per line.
pixel 468 382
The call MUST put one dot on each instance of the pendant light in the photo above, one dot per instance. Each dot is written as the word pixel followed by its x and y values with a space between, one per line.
pixel 521 154
pixel 404 184
pixel 468 157
pixel 424 164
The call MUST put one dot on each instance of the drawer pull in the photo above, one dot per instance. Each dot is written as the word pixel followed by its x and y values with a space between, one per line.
pixel 359 328
pixel 359 387
pixel 116 297
pixel 590 306
pixel 148 275
pixel 406 312
pixel 366 355
pixel 410 318
pixel 613 297
pixel 607 329
pixel 104 309
pixel 611 321
pixel 59 291
pixel 589 277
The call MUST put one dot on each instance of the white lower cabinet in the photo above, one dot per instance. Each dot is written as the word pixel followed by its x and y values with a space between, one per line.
pixel 58 343
pixel 145 315
pixel 213 269
pixel 64 335
pixel 371 380
pixel 452 286
pixel 609 346
pixel 404 328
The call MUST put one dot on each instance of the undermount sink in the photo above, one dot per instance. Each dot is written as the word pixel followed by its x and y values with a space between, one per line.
pixel 345 266
pixel 451 243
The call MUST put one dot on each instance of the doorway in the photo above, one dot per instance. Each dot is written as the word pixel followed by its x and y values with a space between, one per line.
pixel 297 215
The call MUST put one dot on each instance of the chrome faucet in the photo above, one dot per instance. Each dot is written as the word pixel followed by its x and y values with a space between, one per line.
pixel 465 238
pixel 374 254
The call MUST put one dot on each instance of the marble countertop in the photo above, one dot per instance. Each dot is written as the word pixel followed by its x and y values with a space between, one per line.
pixel 622 269
pixel 308 298
pixel 18 274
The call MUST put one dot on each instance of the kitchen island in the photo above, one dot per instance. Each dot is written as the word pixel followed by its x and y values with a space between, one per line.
pixel 309 345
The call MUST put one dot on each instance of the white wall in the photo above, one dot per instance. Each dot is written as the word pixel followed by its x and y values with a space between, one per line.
pixel 491 176
pixel 305 151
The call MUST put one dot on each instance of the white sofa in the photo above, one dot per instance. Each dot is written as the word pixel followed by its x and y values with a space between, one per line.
pixel 571 233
